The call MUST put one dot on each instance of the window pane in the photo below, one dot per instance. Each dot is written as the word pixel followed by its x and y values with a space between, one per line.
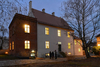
pixel 27 29
pixel 69 46
pixel 27 44
pixel 46 31
pixel 47 44
pixel 68 33
pixel 59 33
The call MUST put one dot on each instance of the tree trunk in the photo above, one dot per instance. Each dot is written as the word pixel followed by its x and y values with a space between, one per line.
pixel 87 53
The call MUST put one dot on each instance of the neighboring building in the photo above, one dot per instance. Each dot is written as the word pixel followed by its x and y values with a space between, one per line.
pixel 98 40
pixel 39 33
pixel 78 46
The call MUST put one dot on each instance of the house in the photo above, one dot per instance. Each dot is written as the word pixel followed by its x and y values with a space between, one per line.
pixel 39 33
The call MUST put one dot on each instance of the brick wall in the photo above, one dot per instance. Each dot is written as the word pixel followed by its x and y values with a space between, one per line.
pixel 17 34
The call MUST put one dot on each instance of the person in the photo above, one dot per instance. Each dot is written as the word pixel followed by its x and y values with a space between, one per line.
pixel 55 54
pixel 50 54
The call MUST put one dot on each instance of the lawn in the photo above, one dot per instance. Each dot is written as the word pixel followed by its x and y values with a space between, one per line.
pixel 91 62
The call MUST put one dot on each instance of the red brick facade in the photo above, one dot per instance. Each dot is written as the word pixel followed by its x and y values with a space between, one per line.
pixel 18 35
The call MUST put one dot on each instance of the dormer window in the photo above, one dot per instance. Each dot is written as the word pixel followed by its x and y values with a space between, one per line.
pixel 27 28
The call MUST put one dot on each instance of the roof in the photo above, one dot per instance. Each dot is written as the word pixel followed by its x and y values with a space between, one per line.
pixel 98 35
pixel 48 19
pixel 22 17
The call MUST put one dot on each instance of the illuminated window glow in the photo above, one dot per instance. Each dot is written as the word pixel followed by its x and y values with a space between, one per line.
pixel 6 52
pixel 69 46
pixel 75 42
pixel 59 33
pixel 46 31
pixel 79 50
pixel 69 53
pixel 98 44
pixel 68 34
pixel 27 29
pixel 59 42
pixel 47 44
pixel 13 45
pixel 79 42
pixel 10 46
pixel 27 44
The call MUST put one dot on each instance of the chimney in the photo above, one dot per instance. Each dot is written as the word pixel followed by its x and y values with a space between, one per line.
pixel 30 6
pixel 43 10
pixel 53 13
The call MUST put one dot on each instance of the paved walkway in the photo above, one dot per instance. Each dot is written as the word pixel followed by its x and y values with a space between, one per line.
pixel 27 61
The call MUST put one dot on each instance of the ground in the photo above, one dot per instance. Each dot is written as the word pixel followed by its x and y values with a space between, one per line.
pixel 91 62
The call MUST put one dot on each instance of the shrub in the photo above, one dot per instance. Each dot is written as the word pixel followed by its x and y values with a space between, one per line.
pixel 96 50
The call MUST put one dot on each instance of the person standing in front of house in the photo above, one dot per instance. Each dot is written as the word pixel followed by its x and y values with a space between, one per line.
pixel 50 54
pixel 55 54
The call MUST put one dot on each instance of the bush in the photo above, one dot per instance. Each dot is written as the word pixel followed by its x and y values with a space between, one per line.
pixel 96 50
pixel 63 54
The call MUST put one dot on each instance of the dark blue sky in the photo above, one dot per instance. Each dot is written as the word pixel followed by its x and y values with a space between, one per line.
pixel 49 5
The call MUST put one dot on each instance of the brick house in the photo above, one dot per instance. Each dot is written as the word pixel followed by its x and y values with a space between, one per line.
pixel 39 33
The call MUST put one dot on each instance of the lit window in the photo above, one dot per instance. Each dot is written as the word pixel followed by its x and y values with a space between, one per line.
pixel 27 29
pixel 47 44
pixel 59 33
pixel 46 31
pixel 79 50
pixel 27 44
pixel 68 34
pixel 75 42
pixel 13 45
pixel 69 46
pixel 69 53
pixel 79 42
pixel 59 42
pixel 98 44
pixel 10 46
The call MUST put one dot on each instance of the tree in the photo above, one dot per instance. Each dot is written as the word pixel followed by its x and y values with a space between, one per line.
pixel 83 16
pixel 8 9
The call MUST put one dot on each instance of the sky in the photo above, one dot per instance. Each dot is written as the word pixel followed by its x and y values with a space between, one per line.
pixel 49 6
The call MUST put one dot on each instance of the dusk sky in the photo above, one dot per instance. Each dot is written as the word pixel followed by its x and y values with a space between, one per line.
pixel 49 6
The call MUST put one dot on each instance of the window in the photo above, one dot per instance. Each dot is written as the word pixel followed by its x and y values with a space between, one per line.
pixel 46 31
pixel 79 50
pixel 79 42
pixel 27 44
pixel 59 33
pixel 27 29
pixel 59 42
pixel 68 34
pixel 75 42
pixel 10 46
pixel 13 45
pixel 47 44
pixel 69 46
pixel 47 54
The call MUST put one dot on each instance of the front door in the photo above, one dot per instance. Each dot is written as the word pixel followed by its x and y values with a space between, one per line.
pixel 59 47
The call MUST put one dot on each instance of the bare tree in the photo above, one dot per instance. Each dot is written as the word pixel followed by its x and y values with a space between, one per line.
pixel 83 16
pixel 8 9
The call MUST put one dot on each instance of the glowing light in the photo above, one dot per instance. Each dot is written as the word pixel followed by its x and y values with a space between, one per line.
pixel 69 53
pixel 27 28
pixel 27 44
pixel 59 42
pixel 98 44
pixel 47 31
pixel 47 44
pixel 68 33
pixel 79 49
pixel 33 51
pixel 6 52
pixel 69 46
